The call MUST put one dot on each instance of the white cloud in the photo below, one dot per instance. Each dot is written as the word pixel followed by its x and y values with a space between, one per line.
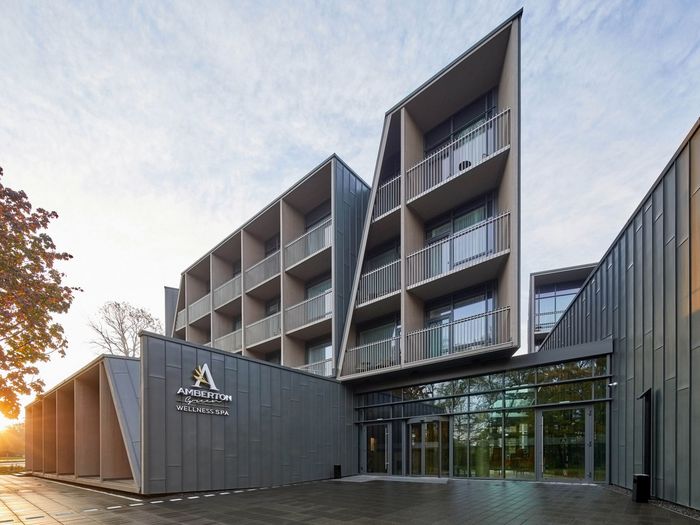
pixel 155 129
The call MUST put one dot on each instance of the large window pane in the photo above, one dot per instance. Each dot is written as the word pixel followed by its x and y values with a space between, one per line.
pixel 567 392
pixel 599 442
pixel 520 444
pixel 460 446
pixel 486 445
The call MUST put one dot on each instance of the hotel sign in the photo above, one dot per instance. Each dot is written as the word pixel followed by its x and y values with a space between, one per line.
pixel 202 397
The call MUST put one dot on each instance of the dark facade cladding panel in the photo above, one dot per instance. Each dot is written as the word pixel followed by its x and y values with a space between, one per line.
pixel 282 425
pixel 351 200
pixel 650 285
pixel 124 376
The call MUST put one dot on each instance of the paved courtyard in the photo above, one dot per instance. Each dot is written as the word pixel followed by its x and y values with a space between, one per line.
pixel 36 501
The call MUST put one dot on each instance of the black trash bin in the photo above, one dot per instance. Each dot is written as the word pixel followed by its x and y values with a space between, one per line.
pixel 641 487
pixel 336 472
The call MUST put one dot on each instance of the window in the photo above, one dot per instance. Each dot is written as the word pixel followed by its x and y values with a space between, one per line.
pixel 385 254
pixel 318 287
pixel 318 351
pixel 272 245
pixel 551 301
pixel 272 306
pixel 273 357
pixel 318 215
pixel 380 332
pixel 459 323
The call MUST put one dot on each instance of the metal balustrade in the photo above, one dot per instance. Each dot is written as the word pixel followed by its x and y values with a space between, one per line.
pixel 465 248
pixel 309 311
pixel 262 271
pixel 312 241
pixel 464 153
pixel 181 319
pixel 199 308
pixel 373 356
pixel 262 330
pixel 545 321
pixel 321 368
pixel 388 197
pixel 227 291
pixel 379 282
pixel 231 342
pixel 463 336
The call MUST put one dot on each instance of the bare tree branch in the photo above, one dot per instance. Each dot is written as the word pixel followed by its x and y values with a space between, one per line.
pixel 118 325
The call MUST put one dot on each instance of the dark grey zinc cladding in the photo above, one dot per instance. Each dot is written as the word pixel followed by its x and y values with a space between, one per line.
pixel 124 375
pixel 350 201
pixel 645 294
pixel 283 426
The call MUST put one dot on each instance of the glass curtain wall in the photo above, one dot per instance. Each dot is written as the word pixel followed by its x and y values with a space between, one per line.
pixel 551 301
pixel 491 418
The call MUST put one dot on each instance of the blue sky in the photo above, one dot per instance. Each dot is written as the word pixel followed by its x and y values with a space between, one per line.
pixel 156 128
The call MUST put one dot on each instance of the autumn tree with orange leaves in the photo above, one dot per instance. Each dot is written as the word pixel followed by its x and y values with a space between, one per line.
pixel 31 293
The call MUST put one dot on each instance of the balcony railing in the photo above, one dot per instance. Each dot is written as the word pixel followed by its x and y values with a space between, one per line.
pixel 181 320
pixel 309 311
pixel 459 337
pixel 459 156
pixel 377 283
pixel 312 241
pixel 465 248
pixel 373 356
pixel 388 197
pixel 227 291
pixel 232 342
pixel 545 321
pixel 199 308
pixel 262 330
pixel 262 271
pixel 321 368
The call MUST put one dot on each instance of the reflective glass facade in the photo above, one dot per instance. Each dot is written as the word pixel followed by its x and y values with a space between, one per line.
pixel 530 423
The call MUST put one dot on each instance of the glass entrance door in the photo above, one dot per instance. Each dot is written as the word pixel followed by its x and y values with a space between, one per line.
pixel 377 449
pixel 565 444
pixel 429 447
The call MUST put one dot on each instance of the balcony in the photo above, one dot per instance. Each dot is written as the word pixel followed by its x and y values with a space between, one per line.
pixel 463 169
pixel 378 283
pixel 199 308
pixel 263 330
pixel 303 319
pixel 180 320
pixel 472 335
pixel 440 267
pixel 545 321
pixel 227 292
pixel 380 355
pixel 262 272
pixel 388 198
pixel 321 368
pixel 306 254
pixel 232 342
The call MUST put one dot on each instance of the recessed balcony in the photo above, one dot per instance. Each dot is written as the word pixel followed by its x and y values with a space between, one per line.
pixel 472 335
pixel 232 342
pixel 261 277
pixel 367 358
pixel 199 309
pixel 321 368
pixel 469 166
pixel 388 198
pixel 263 331
pixel 227 292
pixel 306 254
pixel 473 255
pixel 378 291
pixel 310 318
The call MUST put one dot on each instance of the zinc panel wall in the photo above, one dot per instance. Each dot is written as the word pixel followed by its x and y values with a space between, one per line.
pixel 648 302
pixel 351 197
pixel 283 426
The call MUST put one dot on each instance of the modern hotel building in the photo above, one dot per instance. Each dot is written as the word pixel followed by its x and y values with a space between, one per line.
pixel 372 330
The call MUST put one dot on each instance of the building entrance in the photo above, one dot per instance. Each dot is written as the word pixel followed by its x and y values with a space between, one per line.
pixel 565 443
pixel 376 443
pixel 429 447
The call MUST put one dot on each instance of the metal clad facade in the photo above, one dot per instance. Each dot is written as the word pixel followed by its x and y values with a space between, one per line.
pixel 283 426
pixel 351 197
pixel 651 279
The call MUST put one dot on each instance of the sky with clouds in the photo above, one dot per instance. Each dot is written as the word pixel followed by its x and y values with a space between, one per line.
pixel 157 128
